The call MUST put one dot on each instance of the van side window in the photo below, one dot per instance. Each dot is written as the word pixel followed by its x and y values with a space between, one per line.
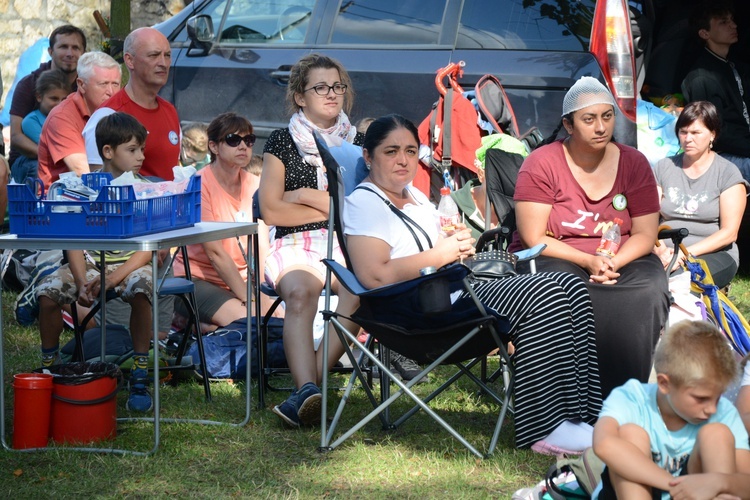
pixel 267 21
pixel 558 25
pixel 388 22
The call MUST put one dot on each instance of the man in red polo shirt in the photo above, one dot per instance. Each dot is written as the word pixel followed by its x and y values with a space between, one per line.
pixel 147 55
pixel 61 145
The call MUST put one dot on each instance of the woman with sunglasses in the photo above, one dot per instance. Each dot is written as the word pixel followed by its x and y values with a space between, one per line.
pixel 218 268
pixel 293 198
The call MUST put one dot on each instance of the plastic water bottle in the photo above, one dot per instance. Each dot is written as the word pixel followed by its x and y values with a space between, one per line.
pixel 448 211
pixel 610 242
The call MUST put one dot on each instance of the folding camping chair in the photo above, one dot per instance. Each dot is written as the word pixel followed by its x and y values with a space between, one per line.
pixel 462 333
pixel 263 320
pixel 261 288
pixel 500 174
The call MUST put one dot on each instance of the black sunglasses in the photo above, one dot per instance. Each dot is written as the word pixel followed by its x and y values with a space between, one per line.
pixel 233 140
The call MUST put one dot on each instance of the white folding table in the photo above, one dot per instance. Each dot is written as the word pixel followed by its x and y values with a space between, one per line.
pixel 200 233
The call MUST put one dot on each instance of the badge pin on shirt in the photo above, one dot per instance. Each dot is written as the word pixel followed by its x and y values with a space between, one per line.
pixel 619 202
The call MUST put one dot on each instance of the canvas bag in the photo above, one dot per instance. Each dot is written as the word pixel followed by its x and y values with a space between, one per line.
pixel 587 469
pixel 226 349
pixel 685 305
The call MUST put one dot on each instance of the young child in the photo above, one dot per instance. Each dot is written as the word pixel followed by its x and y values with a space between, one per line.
pixel 194 151
pixel 255 166
pixel 677 435
pixel 121 140
pixel 51 88
pixel 364 124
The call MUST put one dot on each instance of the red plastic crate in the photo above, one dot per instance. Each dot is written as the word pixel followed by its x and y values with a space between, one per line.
pixel 116 213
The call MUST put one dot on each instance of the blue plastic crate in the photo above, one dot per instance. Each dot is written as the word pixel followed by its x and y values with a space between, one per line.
pixel 116 213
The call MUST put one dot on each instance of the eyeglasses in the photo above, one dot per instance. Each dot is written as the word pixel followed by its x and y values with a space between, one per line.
pixel 323 89
pixel 233 140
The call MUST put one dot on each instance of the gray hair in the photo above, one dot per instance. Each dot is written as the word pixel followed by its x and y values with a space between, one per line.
pixel 127 45
pixel 91 60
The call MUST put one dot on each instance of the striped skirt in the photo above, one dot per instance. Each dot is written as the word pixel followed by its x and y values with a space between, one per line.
pixel 555 361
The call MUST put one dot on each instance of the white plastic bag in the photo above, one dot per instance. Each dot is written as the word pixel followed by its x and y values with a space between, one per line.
pixel 685 305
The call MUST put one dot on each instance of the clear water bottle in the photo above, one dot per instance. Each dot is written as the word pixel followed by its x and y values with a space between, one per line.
pixel 610 243
pixel 448 211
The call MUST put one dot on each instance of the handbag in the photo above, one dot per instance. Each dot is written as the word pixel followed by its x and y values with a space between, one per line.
pixel 587 470
pixel 492 265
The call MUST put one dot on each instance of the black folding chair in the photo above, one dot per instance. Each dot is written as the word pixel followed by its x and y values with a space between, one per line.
pixel 404 317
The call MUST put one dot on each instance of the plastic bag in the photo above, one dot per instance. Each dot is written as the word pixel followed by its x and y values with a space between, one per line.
pixel 657 138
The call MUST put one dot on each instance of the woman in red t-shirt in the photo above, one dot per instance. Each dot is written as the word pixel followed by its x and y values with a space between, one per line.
pixel 567 195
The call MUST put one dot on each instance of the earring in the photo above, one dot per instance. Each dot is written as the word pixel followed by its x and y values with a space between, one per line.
pixel 711 144
pixel 368 165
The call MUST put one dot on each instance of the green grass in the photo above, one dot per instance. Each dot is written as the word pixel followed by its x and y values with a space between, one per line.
pixel 262 459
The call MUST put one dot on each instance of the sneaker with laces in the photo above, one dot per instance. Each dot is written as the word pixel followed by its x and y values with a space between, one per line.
pixel 405 367
pixel 140 397
pixel 309 400
pixel 287 411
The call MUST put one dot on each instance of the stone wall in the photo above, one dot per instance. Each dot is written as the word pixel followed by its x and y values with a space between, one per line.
pixel 23 22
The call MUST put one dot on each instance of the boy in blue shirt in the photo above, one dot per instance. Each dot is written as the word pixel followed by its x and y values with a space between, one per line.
pixel 121 140
pixel 676 437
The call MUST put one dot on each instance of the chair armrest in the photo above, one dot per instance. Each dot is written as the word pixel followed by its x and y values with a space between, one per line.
pixel 531 253
pixel 453 273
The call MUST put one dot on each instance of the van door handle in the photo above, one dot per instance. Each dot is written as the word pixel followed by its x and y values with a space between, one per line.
pixel 281 74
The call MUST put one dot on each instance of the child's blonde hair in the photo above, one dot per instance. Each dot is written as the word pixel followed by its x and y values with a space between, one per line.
pixel 255 166
pixel 695 351
pixel 364 124
pixel 195 138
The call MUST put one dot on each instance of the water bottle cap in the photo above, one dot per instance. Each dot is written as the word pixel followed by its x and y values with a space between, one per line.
pixel 618 221
pixel 445 191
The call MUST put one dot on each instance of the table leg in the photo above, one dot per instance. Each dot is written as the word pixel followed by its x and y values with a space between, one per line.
pixel 2 365
pixel 103 302
pixel 155 332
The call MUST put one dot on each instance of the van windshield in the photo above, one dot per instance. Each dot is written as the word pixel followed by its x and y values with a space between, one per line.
pixel 558 25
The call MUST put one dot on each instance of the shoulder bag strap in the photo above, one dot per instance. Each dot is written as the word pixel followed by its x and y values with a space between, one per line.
pixel 408 221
